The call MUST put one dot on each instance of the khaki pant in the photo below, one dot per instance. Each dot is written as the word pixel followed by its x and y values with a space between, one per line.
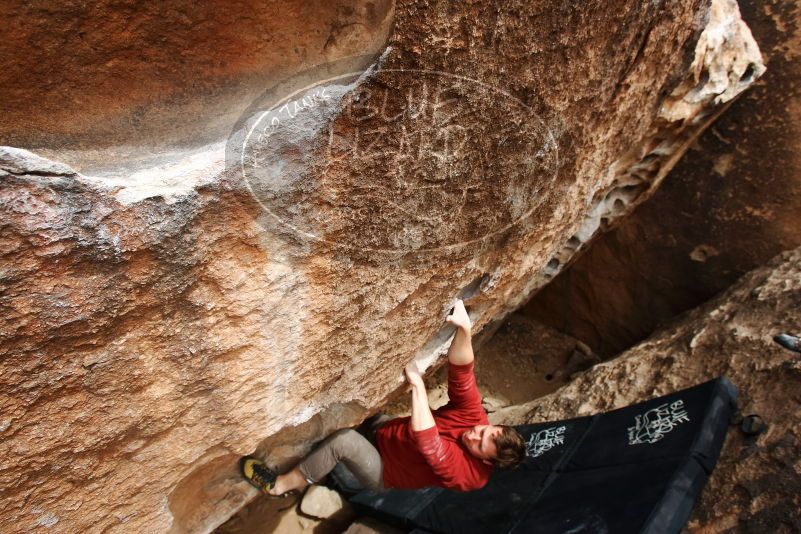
pixel 350 448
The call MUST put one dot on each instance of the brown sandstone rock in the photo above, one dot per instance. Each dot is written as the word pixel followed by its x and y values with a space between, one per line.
pixel 164 314
pixel 730 205
pixel 756 486
pixel 322 503
pixel 370 526
pixel 104 76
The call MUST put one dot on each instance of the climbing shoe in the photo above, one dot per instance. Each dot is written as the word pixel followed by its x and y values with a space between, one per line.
pixel 258 474
pixel 788 342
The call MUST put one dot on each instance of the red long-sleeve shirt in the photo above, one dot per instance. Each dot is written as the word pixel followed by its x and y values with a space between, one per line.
pixel 436 456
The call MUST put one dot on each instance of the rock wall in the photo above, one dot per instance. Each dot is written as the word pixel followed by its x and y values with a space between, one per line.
pixel 728 207
pixel 756 486
pixel 164 314
pixel 111 80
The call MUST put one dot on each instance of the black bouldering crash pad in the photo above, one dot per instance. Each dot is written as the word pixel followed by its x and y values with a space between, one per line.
pixel 636 469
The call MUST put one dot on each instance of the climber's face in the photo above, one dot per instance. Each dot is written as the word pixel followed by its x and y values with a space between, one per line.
pixel 480 441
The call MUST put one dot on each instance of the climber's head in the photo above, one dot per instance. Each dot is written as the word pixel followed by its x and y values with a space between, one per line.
pixel 498 445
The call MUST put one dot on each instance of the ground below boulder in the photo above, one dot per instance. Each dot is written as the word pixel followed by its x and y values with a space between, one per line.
pixel 756 486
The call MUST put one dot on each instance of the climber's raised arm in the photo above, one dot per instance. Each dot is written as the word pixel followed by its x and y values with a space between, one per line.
pixel 461 349
pixel 421 412
pixel 442 456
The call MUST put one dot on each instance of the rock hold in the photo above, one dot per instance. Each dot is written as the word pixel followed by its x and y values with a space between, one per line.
pixel 323 503
pixel 19 161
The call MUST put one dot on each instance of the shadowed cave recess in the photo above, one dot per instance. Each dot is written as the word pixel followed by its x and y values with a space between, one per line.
pixel 227 226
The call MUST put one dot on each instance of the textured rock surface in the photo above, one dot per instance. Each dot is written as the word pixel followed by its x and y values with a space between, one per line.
pixel 111 79
pixel 756 486
pixel 322 503
pixel 265 516
pixel 730 205
pixel 157 321
pixel 369 526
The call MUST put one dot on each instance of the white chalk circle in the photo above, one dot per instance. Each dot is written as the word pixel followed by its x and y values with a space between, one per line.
pixel 397 160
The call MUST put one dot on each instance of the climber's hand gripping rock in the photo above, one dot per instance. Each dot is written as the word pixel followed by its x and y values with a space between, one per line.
pixel 413 375
pixel 459 317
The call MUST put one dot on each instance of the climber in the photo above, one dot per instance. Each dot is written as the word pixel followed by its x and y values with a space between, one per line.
pixel 454 447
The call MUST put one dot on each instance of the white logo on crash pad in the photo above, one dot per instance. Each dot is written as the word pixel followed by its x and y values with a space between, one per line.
pixel 652 426
pixel 545 440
